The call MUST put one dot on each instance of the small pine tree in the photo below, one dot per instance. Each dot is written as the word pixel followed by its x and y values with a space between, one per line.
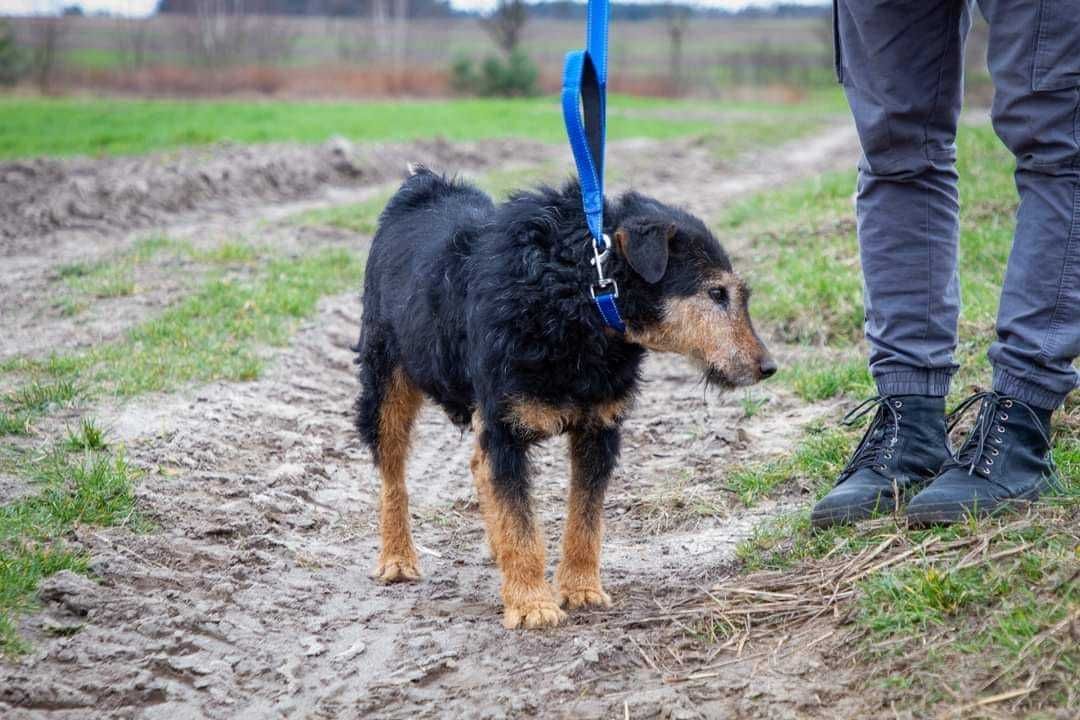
pixel 514 77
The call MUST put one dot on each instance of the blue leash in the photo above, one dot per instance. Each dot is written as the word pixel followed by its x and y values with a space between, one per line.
pixel 585 94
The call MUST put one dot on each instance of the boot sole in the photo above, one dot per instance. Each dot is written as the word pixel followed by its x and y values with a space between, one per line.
pixel 858 512
pixel 846 514
pixel 942 514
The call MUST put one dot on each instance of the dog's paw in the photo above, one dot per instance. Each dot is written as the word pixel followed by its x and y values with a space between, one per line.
pixel 584 597
pixel 491 555
pixel 395 568
pixel 535 614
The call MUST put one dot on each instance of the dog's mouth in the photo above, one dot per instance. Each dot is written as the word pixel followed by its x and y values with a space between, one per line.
pixel 723 381
pixel 715 377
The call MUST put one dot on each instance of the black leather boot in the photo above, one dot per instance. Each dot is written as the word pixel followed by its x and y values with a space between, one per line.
pixel 1003 464
pixel 904 447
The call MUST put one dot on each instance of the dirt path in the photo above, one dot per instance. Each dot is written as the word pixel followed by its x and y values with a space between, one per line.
pixel 250 598
pixel 55 213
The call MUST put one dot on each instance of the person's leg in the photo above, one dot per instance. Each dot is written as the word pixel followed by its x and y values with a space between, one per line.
pixel 1035 64
pixel 1034 58
pixel 902 71
pixel 901 65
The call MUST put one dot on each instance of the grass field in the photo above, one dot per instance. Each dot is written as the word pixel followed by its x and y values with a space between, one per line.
pixel 815 299
pixel 33 126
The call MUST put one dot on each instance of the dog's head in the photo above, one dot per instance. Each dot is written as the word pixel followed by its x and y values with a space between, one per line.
pixel 680 293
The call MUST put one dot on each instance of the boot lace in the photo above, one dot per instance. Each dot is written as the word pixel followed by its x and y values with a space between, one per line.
pixel 881 436
pixel 982 444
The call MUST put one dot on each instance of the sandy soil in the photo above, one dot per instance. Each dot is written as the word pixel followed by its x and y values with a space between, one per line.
pixel 250 596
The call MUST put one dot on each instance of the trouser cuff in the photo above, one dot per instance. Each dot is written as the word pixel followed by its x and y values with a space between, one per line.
pixel 917 381
pixel 1027 391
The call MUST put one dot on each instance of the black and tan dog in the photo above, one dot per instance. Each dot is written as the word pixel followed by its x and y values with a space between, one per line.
pixel 486 310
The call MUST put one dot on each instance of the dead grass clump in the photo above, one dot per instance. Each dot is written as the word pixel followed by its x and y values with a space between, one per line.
pixel 675 505
pixel 959 618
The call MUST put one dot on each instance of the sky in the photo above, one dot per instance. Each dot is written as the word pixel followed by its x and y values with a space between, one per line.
pixel 143 7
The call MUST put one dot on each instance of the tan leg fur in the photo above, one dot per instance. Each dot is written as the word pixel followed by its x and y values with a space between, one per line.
pixel 397 556
pixel 518 549
pixel 578 575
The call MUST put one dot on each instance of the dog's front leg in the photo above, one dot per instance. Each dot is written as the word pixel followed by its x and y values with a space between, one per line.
pixel 499 470
pixel 593 452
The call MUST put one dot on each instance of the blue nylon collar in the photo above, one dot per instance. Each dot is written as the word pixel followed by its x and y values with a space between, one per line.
pixel 584 104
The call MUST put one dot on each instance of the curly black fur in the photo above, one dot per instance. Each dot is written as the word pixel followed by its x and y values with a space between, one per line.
pixel 480 304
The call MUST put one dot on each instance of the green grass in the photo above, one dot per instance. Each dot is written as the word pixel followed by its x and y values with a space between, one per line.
pixel 78 487
pixel 500 183
pixel 361 217
pixel 148 247
pixel 114 276
pixel 817 204
pixel 752 404
pixel 917 619
pixel 84 486
pixel 817 380
pixel 109 281
pixel 815 464
pixel 728 139
pixel 96 58
pixel 88 436
pixel 218 333
pixel 915 598
pixel 63 127
pixel 14 423
pixel 807 270
pixel 38 397
pixel 111 277
pixel 822 454
pixel 1000 624
pixel 51 126
pixel 21 570
pixel 215 333
pixel 233 252
pixel 249 300
pixel 19 408
pixel 923 623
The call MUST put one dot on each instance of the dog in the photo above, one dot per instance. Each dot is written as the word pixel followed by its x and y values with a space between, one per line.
pixel 486 310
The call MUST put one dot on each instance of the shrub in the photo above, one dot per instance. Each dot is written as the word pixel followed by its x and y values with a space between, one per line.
pixel 463 75
pixel 13 61
pixel 513 77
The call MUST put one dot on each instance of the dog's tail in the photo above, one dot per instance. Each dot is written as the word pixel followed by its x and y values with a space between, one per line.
pixel 422 187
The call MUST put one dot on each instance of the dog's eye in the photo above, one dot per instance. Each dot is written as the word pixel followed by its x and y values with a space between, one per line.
pixel 719 296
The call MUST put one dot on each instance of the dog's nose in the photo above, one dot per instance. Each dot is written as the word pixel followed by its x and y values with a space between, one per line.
pixel 768 367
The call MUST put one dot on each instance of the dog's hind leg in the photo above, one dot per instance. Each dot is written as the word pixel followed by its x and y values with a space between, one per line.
pixel 593 452
pixel 397 408
pixel 482 480
pixel 499 471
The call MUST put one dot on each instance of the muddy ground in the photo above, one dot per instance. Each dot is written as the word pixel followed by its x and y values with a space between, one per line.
pixel 250 595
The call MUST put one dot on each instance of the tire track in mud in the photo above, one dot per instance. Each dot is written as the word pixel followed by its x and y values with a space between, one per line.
pixel 250 595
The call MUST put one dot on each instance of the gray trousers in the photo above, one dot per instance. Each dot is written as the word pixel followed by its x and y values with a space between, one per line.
pixel 901 65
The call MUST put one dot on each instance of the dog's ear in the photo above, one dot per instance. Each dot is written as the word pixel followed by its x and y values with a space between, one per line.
pixel 645 247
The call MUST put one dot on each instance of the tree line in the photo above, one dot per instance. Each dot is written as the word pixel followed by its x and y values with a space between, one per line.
pixel 550 9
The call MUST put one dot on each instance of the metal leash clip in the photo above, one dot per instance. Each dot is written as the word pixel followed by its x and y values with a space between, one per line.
pixel 599 258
